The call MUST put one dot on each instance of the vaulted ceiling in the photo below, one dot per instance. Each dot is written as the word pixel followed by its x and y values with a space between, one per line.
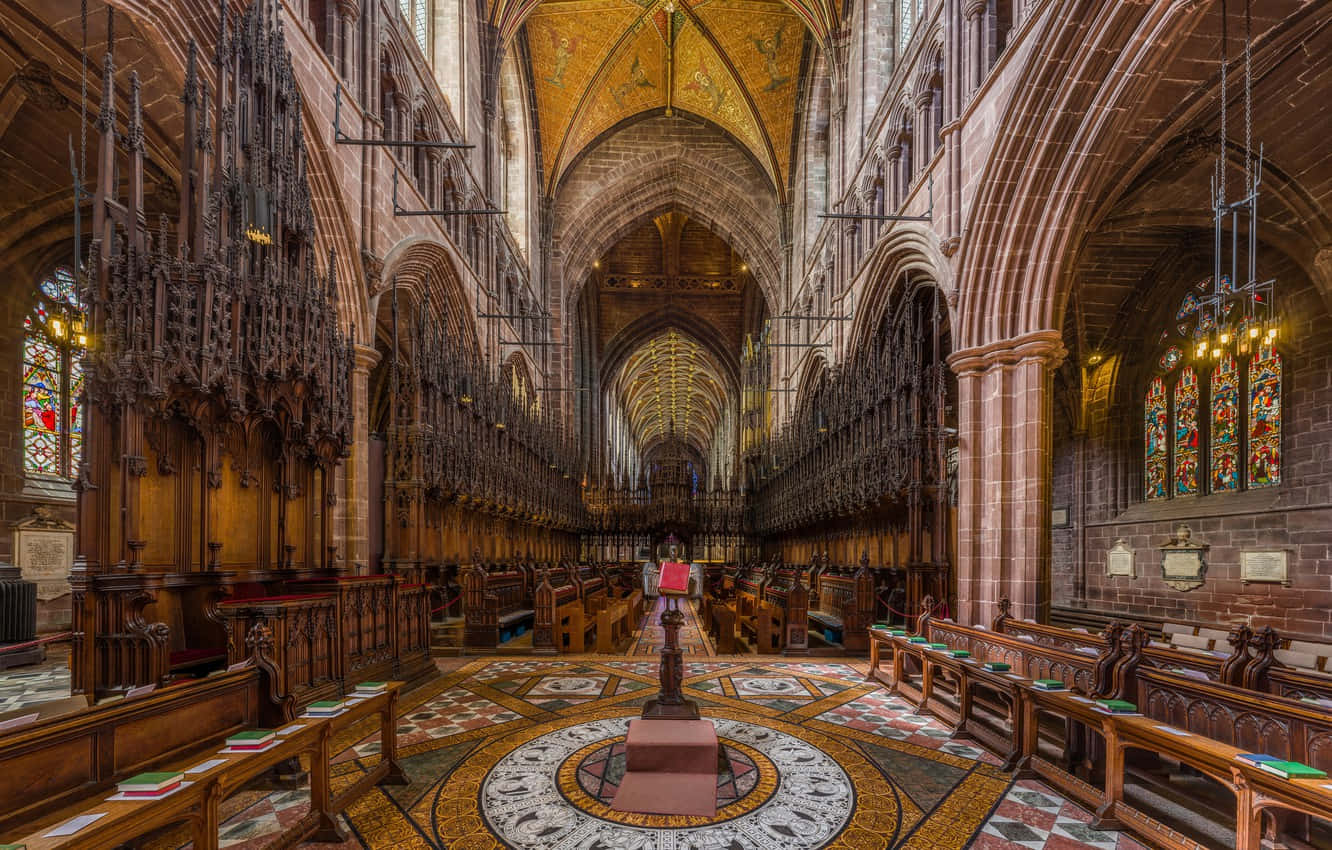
pixel 671 387
pixel 597 63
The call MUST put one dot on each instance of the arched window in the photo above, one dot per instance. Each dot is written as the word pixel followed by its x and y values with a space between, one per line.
pixel 54 336
pixel 417 15
pixel 905 21
pixel 1242 400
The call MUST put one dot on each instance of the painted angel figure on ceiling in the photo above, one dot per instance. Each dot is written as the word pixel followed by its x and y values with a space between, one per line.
pixel 565 48
pixel 638 79
pixel 768 48
pixel 703 82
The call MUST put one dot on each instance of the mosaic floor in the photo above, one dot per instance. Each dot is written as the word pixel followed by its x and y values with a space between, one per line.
pixel 650 637
pixel 22 686
pixel 527 753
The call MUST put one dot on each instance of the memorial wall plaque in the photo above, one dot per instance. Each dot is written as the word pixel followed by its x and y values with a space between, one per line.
pixel 1267 565
pixel 1119 560
pixel 44 551
pixel 1183 561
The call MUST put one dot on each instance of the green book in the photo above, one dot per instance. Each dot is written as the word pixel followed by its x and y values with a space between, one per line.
pixel 938 646
pixel 251 735
pixel 917 639
pixel 897 632
pixel 959 653
pixel 880 625
pixel 326 704
pixel 1049 684
pixel 1291 770
pixel 1118 706
pixel 13 847
pixel 149 781
pixel 366 687
pixel 997 667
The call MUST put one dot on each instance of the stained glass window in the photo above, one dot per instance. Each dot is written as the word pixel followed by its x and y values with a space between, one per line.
pixel 906 9
pixel 53 379
pixel 1224 459
pixel 1157 450
pixel 1186 433
pixel 1187 307
pixel 1265 418
pixel 1170 359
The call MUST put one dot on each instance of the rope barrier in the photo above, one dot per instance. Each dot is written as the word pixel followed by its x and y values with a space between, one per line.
pixel 935 610
pixel 15 647
pixel 448 604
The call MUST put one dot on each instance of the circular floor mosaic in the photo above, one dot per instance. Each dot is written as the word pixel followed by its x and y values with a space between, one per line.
pixel 599 773
pixel 550 787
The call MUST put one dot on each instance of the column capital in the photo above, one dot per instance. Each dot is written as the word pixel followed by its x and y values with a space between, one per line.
pixel 973 9
pixel 1045 345
pixel 367 356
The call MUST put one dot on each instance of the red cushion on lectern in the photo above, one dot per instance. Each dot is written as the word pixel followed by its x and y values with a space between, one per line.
pixel 674 577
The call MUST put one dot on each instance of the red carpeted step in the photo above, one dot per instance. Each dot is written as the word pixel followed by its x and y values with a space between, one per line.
pixel 671 746
pixel 668 793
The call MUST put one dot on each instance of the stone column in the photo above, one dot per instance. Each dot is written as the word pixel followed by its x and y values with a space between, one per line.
pixel 356 470
pixel 349 11
pixel 974 63
pixel 925 131
pixel 1004 475
pixel 892 170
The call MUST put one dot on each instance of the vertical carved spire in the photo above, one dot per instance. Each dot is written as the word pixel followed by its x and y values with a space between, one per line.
pixel 135 127
pixel 106 115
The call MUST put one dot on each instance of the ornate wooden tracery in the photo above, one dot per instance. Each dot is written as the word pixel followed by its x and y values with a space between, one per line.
pixel 217 373
pixel 867 449
pixel 470 458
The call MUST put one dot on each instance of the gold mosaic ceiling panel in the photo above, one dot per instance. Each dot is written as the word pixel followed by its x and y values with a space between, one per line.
pixel 596 63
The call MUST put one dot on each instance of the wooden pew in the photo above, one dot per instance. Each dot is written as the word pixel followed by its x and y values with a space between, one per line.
pixel 54 761
pixel 199 803
pixel 492 601
pixel 1188 718
pixel 616 621
pixel 559 624
pixel 1256 792
pixel 845 603
pixel 303 636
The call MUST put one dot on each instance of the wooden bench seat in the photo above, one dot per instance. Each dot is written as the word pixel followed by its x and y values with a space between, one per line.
pixel 72 754
pixel 198 803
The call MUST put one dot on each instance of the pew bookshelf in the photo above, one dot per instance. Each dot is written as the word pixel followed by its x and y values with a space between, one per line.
pixel 1181 711
pixel 198 803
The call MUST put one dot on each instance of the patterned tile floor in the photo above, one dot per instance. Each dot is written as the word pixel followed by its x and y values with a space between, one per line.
pixel 21 686
pixel 478 706
pixel 448 727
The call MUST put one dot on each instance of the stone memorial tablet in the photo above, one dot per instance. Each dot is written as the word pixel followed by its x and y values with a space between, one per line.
pixel 1183 561
pixel 44 551
pixel 1119 560
pixel 1268 565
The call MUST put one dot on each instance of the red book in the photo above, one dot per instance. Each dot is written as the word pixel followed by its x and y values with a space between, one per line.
pixel 159 792
pixel 674 578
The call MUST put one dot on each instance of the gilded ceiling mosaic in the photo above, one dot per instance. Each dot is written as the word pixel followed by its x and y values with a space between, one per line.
pixel 596 63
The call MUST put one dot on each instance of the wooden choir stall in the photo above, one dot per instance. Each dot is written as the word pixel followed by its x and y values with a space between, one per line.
pixel 218 407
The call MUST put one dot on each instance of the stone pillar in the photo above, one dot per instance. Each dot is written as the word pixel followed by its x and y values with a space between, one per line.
pixel 925 132
pixel 349 11
pixel 356 469
pixel 974 63
pixel 893 190
pixel 1004 475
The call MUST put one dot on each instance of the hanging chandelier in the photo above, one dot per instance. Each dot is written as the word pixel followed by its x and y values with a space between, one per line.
pixel 1233 311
